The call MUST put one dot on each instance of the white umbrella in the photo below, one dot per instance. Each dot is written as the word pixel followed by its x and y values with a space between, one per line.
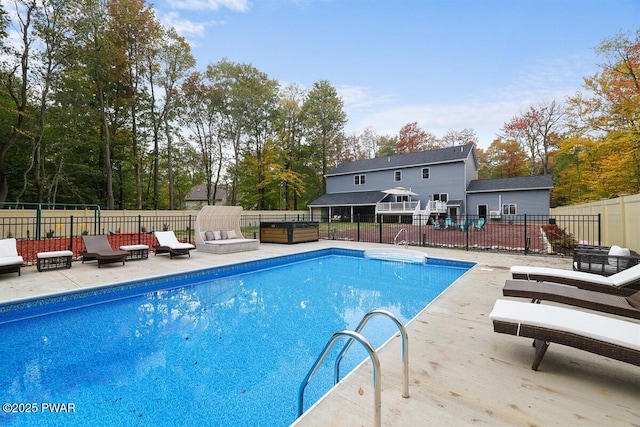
pixel 400 191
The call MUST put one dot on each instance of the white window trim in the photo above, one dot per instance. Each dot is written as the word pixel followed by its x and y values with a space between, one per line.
pixel 422 173
pixel 395 176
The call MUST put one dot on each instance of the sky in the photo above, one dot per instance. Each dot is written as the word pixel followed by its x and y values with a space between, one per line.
pixel 445 64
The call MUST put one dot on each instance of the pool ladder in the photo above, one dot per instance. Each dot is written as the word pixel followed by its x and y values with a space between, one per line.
pixel 404 241
pixel 355 336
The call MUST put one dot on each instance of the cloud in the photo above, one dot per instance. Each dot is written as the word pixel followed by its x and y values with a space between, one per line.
pixel 184 27
pixel 235 5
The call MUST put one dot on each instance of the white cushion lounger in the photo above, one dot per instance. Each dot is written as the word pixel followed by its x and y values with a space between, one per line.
pixel 10 261
pixel 619 283
pixel 607 336
pixel 168 243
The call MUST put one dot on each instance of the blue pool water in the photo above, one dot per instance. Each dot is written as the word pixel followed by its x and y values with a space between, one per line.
pixel 226 346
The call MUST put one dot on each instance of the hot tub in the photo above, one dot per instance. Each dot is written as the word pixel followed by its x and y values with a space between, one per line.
pixel 289 232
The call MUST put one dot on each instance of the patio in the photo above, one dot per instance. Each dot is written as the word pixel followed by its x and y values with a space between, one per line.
pixel 460 371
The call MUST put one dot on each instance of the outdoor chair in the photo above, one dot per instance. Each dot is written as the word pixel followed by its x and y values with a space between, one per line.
pixel 98 248
pixel 169 244
pixel 625 282
pixel 598 301
pixel 218 231
pixel 465 225
pixel 604 335
pixel 603 260
pixel 448 223
pixel 479 225
pixel 10 261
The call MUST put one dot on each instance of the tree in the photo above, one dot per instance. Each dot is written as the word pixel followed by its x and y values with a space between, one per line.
pixel 324 120
pixel 15 79
pixel 608 110
pixel 170 63
pixel 459 137
pixel 134 33
pixel 537 133
pixel 504 159
pixel 412 138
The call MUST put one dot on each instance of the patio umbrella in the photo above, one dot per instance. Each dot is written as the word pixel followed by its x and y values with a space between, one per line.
pixel 399 191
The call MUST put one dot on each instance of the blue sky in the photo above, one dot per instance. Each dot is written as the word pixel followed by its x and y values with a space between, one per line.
pixel 447 65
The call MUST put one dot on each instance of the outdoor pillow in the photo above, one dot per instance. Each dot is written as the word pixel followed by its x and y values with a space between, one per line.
pixel 217 235
pixel 616 250
pixel 224 235
pixel 208 236
pixel 231 234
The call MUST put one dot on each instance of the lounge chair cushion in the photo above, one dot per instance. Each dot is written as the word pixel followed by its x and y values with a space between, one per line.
pixel 231 234
pixel 602 328
pixel 208 235
pixel 634 300
pixel 217 235
pixel 8 248
pixel 618 251
pixel 11 260
pixel 624 277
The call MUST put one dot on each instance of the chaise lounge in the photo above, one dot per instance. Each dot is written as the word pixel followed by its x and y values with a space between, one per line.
pixel 603 335
pixel 598 301
pixel 98 248
pixel 169 244
pixel 218 231
pixel 10 261
pixel 625 282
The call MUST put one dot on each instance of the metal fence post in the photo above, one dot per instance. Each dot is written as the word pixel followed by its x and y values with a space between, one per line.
pixel 139 227
pixel 526 249
pixel 358 226
pixel 71 235
pixel 380 229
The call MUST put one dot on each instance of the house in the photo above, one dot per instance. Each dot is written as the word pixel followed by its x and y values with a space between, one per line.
pixel 418 186
pixel 197 197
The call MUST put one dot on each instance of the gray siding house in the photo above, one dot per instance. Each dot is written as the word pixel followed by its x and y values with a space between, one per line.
pixel 434 183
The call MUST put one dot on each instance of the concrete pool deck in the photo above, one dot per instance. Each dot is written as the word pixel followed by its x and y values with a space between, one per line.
pixel 460 371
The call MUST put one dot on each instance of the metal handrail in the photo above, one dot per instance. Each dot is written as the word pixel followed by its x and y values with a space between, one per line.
pixel 376 371
pixel 405 347
pixel 405 241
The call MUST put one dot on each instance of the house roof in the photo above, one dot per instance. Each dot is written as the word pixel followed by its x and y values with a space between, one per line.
pixel 537 182
pixel 198 193
pixel 441 155
pixel 354 198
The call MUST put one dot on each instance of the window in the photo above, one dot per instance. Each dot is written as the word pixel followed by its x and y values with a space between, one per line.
pixel 359 180
pixel 509 209
pixel 425 173
pixel 444 197
pixel 398 176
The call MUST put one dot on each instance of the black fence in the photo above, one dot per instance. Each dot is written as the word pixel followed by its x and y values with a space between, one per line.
pixel 525 234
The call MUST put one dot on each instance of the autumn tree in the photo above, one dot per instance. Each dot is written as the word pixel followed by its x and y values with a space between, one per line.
pixel 607 112
pixel 412 138
pixel 537 132
pixel 504 159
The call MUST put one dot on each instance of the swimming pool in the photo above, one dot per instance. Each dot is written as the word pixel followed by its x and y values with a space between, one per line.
pixel 221 346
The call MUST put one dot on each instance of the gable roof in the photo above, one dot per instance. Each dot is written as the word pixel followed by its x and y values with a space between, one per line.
pixel 354 198
pixel 421 158
pixel 536 182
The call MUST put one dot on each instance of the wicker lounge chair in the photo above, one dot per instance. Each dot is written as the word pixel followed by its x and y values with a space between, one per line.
pixel 218 231
pixel 10 261
pixel 625 282
pixel 603 335
pixel 97 248
pixel 597 301
pixel 169 244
